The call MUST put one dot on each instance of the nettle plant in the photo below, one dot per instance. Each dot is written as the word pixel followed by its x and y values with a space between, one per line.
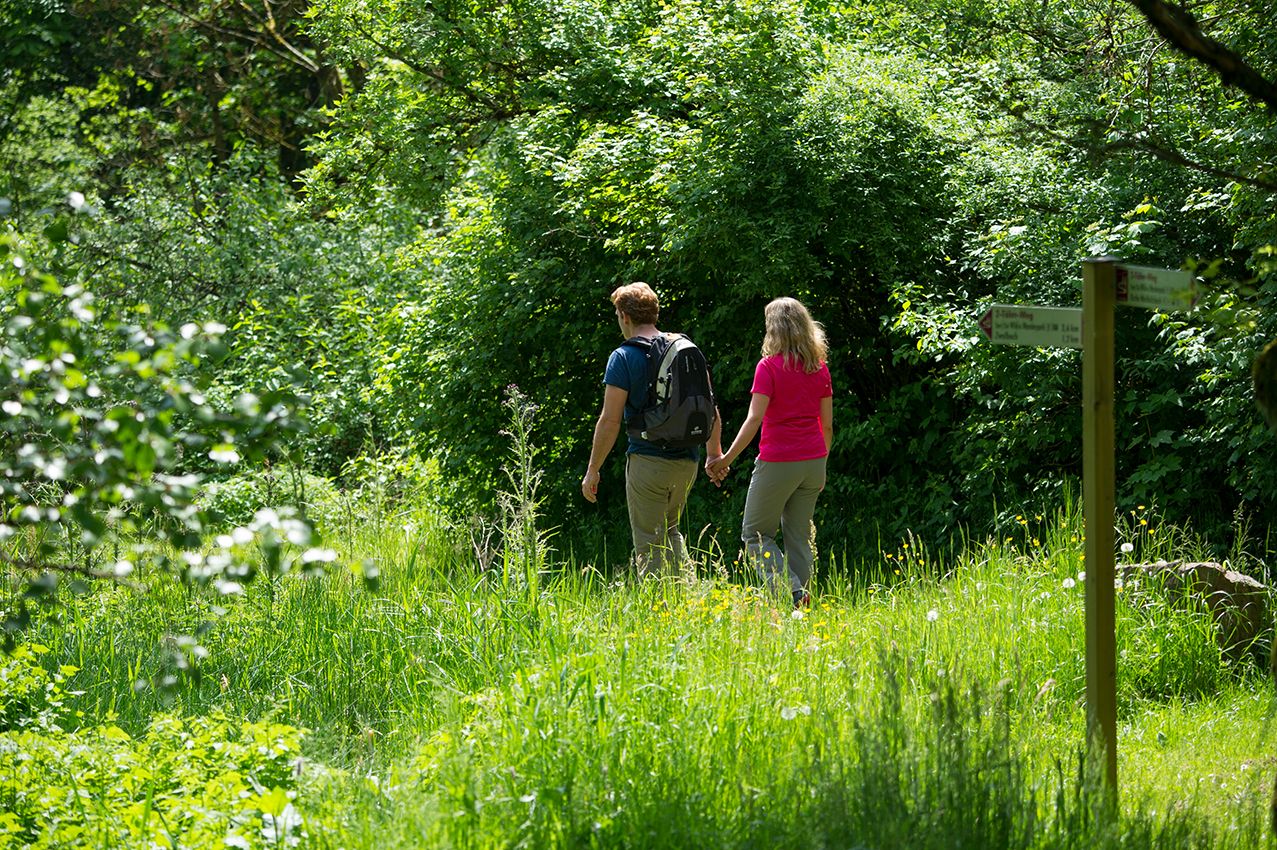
pixel 105 440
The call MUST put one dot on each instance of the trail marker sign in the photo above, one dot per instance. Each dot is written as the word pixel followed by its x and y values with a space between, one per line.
pixel 1154 289
pixel 1030 324
pixel 1105 284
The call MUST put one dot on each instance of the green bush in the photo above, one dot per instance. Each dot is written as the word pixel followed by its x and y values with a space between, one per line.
pixel 206 782
pixel 899 167
pixel 235 501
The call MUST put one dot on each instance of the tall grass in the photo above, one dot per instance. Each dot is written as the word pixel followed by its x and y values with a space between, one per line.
pixel 925 701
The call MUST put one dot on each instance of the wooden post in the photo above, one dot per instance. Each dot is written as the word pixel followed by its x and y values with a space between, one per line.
pixel 1098 509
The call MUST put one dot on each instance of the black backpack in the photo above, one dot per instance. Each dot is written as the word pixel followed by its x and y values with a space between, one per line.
pixel 678 412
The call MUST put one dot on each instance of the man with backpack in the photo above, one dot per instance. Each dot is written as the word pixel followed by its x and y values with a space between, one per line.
pixel 658 383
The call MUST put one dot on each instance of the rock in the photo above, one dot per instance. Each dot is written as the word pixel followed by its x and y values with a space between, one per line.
pixel 1237 603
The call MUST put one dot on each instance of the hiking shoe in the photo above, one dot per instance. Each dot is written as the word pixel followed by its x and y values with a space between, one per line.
pixel 802 599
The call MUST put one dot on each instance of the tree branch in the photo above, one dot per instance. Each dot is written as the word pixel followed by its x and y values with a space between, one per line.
pixel 30 566
pixel 1139 143
pixel 1176 158
pixel 281 48
pixel 1178 26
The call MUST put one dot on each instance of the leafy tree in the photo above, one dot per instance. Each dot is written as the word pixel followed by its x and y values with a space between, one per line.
pixel 186 124
pixel 898 166
pixel 736 159
pixel 209 72
pixel 102 423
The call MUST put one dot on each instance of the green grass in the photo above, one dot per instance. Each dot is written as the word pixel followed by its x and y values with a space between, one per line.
pixel 923 701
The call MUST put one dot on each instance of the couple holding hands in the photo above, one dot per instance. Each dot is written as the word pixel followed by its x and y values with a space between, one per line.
pixel 791 402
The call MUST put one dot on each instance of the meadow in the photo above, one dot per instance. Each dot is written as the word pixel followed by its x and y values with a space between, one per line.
pixel 252 253
pixel 925 700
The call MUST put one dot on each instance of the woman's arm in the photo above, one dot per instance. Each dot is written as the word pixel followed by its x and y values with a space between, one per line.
pixel 827 421
pixel 749 428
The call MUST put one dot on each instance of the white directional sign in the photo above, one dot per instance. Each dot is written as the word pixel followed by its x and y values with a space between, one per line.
pixel 1155 289
pixel 1029 324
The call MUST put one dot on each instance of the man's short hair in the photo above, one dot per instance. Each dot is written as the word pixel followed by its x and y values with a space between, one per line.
pixel 638 302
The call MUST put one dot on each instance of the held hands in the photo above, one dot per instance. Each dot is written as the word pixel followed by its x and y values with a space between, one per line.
pixel 716 468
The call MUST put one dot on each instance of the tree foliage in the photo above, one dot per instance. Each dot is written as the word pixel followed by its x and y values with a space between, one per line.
pixel 478 176
pixel 105 434
pixel 897 166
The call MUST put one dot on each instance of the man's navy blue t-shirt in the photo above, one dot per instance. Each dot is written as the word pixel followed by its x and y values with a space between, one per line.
pixel 627 370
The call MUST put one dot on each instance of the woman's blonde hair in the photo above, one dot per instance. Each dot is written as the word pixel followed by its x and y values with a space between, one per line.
pixel 794 334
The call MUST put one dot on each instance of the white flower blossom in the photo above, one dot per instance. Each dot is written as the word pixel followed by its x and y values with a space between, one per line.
pixel 224 454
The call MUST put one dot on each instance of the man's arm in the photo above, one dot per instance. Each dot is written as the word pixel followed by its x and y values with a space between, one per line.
pixel 714 449
pixel 605 431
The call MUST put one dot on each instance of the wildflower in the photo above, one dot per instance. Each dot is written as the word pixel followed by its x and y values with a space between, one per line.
pixel 1143 522
pixel 1081 576
pixel 797 615
pixel 933 615
pixel 1069 583
pixel 1128 548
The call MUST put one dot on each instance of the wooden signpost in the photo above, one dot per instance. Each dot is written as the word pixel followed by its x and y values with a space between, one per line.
pixel 1105 283
pixel 1098 509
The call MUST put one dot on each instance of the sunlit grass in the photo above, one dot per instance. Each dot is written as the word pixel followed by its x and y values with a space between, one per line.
pixel 926 699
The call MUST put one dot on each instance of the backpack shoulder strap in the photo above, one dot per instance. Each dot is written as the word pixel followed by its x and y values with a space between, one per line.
pixel 653 348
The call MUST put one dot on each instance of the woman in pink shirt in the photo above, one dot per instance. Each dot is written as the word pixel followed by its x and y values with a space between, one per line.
pixel 792 401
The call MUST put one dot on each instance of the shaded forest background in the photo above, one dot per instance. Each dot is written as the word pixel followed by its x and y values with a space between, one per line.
pixel 400 209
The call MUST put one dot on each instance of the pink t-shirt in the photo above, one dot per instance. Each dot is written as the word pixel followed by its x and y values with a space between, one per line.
pixel 791 425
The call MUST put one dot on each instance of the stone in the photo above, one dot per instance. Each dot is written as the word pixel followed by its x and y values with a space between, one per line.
pixel 1236 602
